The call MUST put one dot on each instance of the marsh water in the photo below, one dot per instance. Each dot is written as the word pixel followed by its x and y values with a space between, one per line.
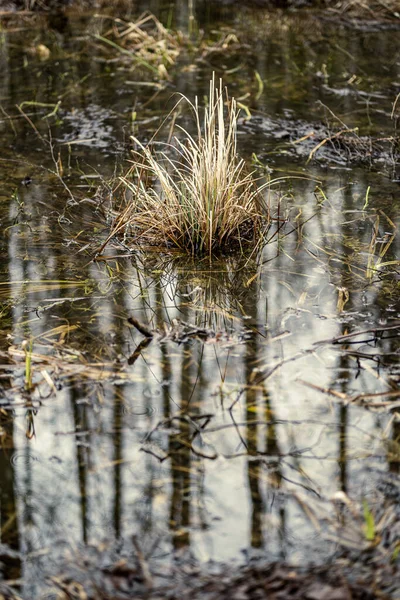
pixel 241 442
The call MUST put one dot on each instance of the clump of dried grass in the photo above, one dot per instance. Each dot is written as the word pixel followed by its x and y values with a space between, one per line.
pixel 145 43
pixel 196 195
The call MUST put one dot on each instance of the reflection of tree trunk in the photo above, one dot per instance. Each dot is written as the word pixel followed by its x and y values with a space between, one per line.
pixel 254 467
pixel 275 477
pixel 117 439
pixel 179 448
pixel 180 456
pixel 80 422
pixel 343 422
pixel 254 470
pixel 9 533
pixel 254 444
pixel 180 496
pixel 165 360
pixel 345 372
pixel 394 448
pixel 343 448
pixel 118 411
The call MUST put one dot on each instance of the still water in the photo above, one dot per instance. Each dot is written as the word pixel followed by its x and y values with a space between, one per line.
pixel 221 447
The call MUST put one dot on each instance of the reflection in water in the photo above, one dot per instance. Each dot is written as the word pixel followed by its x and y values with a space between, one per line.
pixel 263 464
pixel 154 449
pixel 118 458
pixel 343 448
pixel 82 448
pixel 180 456
pixel 254 466
pixel 10 564
pixel 394 446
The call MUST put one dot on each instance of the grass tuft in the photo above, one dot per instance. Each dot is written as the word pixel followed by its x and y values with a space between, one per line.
pixel 197 195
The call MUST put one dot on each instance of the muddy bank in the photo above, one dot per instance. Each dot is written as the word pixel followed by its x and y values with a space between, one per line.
pixel 274 582
pixel 97 575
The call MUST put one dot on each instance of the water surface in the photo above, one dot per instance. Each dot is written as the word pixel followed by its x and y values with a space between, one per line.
pixel 221 448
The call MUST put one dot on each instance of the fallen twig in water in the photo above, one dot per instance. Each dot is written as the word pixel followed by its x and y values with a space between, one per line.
pixel 358 398
pixel 344 338
pixel 179 332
